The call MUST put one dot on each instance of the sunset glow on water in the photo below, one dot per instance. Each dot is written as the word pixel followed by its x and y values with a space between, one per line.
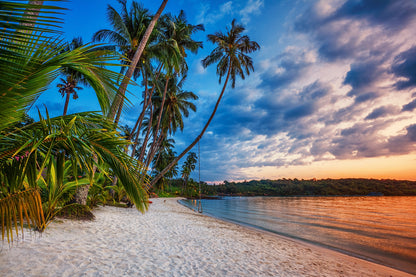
pixel 379 229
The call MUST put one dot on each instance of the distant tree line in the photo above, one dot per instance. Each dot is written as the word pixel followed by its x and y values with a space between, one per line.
pixel 325 187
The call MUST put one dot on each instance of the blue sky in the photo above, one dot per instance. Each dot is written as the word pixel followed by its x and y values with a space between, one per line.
pixel 333 93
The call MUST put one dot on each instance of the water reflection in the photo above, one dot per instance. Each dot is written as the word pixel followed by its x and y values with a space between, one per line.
pixel 381 229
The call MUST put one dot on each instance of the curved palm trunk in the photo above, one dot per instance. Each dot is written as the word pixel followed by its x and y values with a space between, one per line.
pixel 155 149
pixel 126 80
pixel 158 136
pixel 146 138
pixel 145 106
pixel 66 103
pixel 120 108
pixel 163 172
pixel 136 141
pixel 140 119
pixel 162 105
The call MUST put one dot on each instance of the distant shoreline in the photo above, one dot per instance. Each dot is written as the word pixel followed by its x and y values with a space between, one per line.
pixel 314 187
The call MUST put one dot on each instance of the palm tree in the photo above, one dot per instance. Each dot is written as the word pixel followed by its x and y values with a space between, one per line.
pixel 164 157
pixel 128 29
pixel 176 31
pixel 177 104
pixel 128 26
pixel 69 85
pixel 31 58
pixel 15 32
pixel 136 57
pixel 231 56
pixel 164 147
pixel 188 167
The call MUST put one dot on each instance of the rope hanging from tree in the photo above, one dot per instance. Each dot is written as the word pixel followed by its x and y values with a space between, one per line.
pixel 199 178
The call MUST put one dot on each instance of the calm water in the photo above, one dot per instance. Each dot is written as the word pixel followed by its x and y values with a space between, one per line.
pixel 379 229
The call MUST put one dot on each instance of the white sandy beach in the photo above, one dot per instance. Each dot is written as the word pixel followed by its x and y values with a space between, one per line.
pixel 171 240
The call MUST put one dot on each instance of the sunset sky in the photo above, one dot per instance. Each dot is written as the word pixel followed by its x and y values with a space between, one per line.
pixel 333 93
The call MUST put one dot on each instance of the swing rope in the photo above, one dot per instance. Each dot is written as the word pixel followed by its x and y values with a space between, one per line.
pixel 199 178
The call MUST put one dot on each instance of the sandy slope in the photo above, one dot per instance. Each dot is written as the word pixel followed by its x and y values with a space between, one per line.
pixel 171 240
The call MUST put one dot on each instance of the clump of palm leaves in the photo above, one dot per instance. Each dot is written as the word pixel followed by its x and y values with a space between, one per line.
pixel 20 201
pixel 98 194
pixel 56 189
pixel 57 148
pixel 31 58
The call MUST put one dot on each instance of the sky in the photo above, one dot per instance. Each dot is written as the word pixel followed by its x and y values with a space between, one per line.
pixel 333 94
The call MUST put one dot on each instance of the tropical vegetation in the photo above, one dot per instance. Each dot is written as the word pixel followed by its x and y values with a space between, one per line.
pixel 37 160
pixel 70 163
pixel 313 187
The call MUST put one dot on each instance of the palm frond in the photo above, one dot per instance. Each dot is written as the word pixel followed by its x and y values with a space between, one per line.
pixel 17 208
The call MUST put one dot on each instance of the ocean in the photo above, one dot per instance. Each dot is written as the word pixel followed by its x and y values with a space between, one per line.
pixel 380 229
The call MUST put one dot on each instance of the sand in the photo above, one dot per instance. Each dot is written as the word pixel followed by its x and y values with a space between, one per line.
pixel 171 240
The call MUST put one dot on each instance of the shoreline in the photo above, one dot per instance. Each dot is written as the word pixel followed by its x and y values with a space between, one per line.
pixel 299 240
pixel 318 247
pixel 172 240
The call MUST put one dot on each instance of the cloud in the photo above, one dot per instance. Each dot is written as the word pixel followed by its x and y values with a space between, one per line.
pixel 410 106
pixel 363 74
pixel 364 97
pixel 392 14
pixel 208 16
pixel 403 144
pixel 252 7
pixel 284 68
pixel 405 66
pixel 54 109
pixel 229 10
pixel 299 111
pixel 383 112
pixel 356 28
pixel 361 140
pixel 338 90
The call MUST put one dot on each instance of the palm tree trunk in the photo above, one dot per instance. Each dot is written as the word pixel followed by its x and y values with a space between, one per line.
pixel 161 107
pixel 136 138
pixel 66 103
pixel 163 172
pixel 155 149
pixel 146 138
pixel 140 119
pixel 186 185
pixel 156 138
pixel 81 193
pixel 126 80
pixel 145 104
pixel 120 108
pixel 136 142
